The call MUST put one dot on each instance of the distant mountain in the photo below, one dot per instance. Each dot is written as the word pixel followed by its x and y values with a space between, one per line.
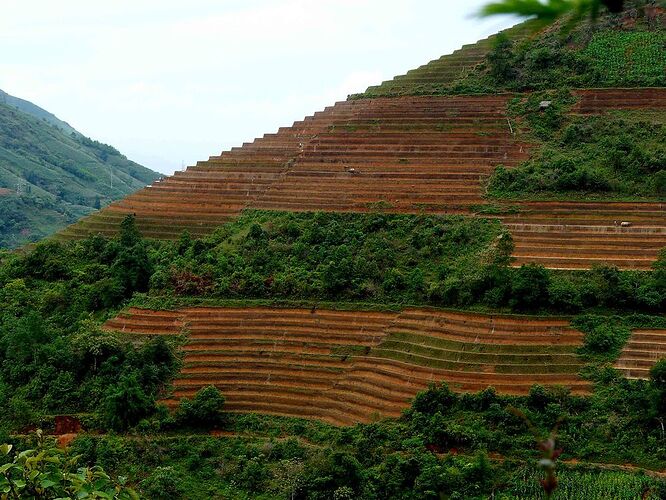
pixel 34 110
pixel 51 174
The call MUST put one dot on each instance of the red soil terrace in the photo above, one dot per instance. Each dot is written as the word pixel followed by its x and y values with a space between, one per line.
pixel 644 349
pixel 354 366
pixel 405 155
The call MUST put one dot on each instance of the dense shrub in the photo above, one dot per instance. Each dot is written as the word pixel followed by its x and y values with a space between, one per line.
pixel 126 403
pixel 203 410
pixel 164 483
pixel 53 357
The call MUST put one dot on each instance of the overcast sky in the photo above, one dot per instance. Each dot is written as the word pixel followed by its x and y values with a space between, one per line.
pixel 172 82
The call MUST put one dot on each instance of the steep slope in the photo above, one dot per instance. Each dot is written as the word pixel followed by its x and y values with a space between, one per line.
pixel 428 148
pixel 51 175
pixel 408 155
pixel 432 142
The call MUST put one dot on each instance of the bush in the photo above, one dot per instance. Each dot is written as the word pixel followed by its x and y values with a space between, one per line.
pixel 529 290
pixel 163 484
pixel 606 340
pixel 501 59
pixel 436 399
pixel 204 410
pixel 46 472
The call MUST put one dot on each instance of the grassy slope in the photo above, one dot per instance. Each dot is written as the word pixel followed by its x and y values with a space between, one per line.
pixel 62 176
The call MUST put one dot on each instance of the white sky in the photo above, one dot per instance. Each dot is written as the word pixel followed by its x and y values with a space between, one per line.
pixel 170 82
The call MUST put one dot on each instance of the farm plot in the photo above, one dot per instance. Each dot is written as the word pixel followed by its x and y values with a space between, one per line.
pixel 409 155
pixel 353 366
pixel 579 235
pixel 594 101
pixel 641 352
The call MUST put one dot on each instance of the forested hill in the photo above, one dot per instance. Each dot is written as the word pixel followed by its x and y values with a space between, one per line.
pixel 51 175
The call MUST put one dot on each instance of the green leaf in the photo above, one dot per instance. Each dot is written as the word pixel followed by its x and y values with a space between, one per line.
pixel 47 483
pixel 5 449
pixel 25 454
pixel 18 483
pixel 4 468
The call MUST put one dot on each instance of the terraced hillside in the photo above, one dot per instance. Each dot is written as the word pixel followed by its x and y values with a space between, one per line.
pixel 352 366
pixel 357 268
pixel 409 154
pixel 644 349
pixel 576 234
pixel 401 155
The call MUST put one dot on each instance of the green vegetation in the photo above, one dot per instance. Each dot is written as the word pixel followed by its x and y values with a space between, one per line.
pixel 203 411
pixel 579 54
pixel 627 58
pixel 609 156
pixel 53 356
pixel 50 176
pixel 373 258
pixel 461 446
pixel 551 9
pixel 46 472
pixel 386 259
pixel 33 110
pixel 55 359
pixel 605 335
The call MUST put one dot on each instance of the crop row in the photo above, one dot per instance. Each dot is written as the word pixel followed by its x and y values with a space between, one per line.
pixel 350 366
pixel 641 352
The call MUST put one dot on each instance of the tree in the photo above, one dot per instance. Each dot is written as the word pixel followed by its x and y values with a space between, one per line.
pixel 500 59
pixel 126 403
pixel 658 380
pixel 529 289
pixel 129 233
pixel 132 268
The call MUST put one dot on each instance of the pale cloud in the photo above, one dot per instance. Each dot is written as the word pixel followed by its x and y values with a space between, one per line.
pixel 171 81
